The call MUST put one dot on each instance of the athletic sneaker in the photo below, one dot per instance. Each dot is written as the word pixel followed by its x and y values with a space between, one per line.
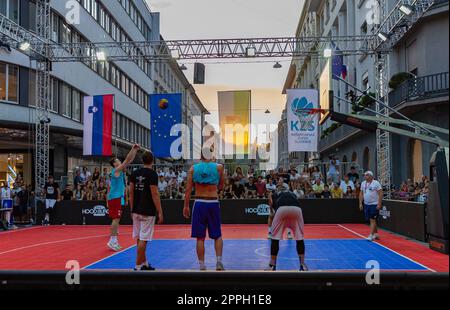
pixel 203 268
pixel 303 267
pixel 271 268
pixel 376 236
pixel 45 223
pixel 371 238
pixel 289 235
pixel 220 267
pixel 145 268
pixel 114 246
pixel 12 227
pixel 270 236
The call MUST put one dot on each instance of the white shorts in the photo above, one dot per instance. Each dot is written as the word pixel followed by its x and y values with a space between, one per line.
pixel 50 203
pixel 143 227
pixel 288 218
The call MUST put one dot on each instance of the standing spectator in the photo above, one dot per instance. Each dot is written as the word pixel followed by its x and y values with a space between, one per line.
pixel 162 186
pixel 353 175
pixel 67 193
pixel 96 174
pixel 336 192
pixel 238 175
pixel 333 169
pixel 52 196
pixel 24 199
pixel 316 174
pixel 105 174
pixel 370 200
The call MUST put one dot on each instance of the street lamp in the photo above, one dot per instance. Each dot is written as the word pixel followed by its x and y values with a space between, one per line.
pixel 277 66
pixel 407 9
pixel 183 67
pixel 267 111
pixel 101 56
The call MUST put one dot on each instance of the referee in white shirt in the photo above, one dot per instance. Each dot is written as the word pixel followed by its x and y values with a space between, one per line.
pixel 370 201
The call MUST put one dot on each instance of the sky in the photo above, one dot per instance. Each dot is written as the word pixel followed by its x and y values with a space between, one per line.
pixel 219 19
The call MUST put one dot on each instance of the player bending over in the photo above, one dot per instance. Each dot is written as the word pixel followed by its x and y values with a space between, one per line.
pixel 288 215
pixel 145 205
pixel 116 195
pixel 208 179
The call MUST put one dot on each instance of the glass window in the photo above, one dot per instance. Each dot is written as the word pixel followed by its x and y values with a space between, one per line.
pixel 3 76
pixel 76 107
pixel 55 98
pixel 13 12
pixel 66 99
pixel 32 89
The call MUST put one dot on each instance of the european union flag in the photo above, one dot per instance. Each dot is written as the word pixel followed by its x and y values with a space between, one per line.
pixel 165 111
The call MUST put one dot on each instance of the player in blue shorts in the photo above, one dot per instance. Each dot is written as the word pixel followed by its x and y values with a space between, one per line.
pixel 208 178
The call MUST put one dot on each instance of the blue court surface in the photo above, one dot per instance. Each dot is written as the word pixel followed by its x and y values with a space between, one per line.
pixel 321 255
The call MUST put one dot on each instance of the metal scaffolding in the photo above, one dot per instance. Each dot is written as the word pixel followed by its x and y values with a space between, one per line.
pixel 44 51
pixel 392 29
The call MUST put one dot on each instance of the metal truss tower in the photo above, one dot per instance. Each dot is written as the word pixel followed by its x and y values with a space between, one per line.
pixel 43 91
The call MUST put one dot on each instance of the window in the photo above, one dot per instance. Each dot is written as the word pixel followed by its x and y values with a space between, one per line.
pixel 32 88
pixel 10 8
pixel 66 99
pixel 9 83
pixel 55 96
pixel 76 107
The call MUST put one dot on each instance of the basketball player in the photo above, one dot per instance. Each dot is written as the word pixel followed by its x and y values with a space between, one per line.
pixel 208 179
pixel 145 205
pixel 288 215
pixel 116 195
pixel 52 196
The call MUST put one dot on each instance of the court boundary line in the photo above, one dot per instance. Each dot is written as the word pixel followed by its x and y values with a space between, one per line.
pixel 7 232
pixel 387 248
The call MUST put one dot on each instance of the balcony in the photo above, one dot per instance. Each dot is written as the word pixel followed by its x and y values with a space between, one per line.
pixel 420 88
pixel 336 137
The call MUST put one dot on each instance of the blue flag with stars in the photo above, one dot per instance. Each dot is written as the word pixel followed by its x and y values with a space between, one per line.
pixel 166 112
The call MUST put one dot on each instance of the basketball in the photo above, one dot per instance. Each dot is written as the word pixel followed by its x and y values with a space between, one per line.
pixel 164 104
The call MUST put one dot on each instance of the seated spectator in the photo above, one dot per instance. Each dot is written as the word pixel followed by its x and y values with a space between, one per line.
pixel 318 188
pixel 228 189
pixel 299 192
pixel 310 194
pixel 162 186
pixel 96 174
pixel 67 193
pixel 346 183
pixel 403 194
pixel 261 189
pixel 238 175
pixel 326 192
pixel 271 187
pixel 316 174
pixel 238 189
pixel 250 189
pixel 78 179
pixel 101 191
pixel 282 183
pixel 349 193
pixel 305 176
pixel 336 192
pixel 79 193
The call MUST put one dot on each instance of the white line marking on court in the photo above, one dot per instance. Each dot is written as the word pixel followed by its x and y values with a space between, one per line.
pixel 51 242
pixel 383 246
pixel 19 230
pixel 110 256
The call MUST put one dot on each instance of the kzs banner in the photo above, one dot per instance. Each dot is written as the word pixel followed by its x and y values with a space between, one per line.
pixel 303 125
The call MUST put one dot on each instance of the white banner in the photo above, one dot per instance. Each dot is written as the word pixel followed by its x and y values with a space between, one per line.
pixel 303 127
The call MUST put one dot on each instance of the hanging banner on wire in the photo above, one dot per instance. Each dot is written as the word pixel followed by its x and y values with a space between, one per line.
pixel 303 126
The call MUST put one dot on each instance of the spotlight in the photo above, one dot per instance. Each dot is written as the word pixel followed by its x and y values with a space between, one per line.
pixel 183 67
pixel 277 66
pixel 101 56
pixel 407 9
pixel 250 52
pixel 24 46
pixel 267 111
pixel 383 36
pixel 328 53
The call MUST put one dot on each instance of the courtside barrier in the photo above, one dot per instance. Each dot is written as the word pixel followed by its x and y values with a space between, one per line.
pixel 315 211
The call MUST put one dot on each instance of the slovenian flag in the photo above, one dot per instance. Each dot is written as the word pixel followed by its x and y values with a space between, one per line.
pixel 98 115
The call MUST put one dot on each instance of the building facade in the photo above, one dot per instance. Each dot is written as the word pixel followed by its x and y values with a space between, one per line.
pixel 423 52
pixel 131 82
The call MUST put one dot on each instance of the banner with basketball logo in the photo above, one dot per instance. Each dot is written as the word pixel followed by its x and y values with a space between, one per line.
pixel 303 126
pixel 166 112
